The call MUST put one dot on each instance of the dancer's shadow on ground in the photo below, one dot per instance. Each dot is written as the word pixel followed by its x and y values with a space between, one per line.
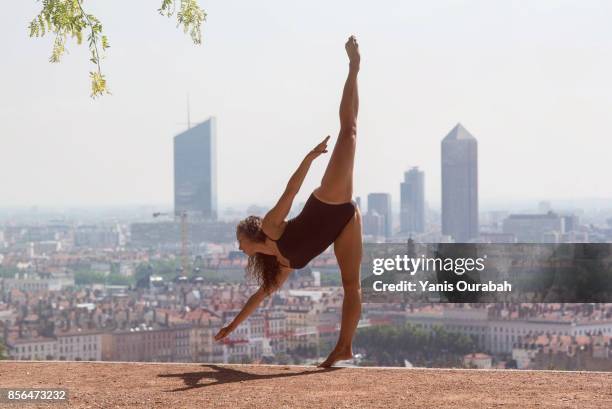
pixel 222 374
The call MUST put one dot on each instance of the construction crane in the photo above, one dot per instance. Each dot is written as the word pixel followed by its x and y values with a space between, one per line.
pixel 184 239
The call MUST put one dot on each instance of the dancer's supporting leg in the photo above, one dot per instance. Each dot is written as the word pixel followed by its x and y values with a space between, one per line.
pixel 337 186
pixel 348 248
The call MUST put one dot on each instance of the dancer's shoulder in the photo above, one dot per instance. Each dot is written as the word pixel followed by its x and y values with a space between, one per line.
pixel 274 231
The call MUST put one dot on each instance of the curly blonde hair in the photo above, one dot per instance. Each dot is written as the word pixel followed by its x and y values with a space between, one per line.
pixel 263 267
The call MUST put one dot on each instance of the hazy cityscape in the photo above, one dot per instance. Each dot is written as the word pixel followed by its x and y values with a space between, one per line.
pixel 156 284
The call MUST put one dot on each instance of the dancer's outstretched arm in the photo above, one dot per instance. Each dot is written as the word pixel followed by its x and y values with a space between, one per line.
pixel 276 216
pixel 252 303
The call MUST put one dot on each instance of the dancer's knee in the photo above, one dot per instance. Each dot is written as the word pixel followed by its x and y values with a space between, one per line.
pixel 351 285
pixel 348 132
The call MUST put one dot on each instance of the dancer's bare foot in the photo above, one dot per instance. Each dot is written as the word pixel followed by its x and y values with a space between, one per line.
pixel 352 49
pixel 338 354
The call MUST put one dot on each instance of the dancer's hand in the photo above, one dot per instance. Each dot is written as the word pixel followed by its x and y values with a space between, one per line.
pixel 223 332
pixel 319 149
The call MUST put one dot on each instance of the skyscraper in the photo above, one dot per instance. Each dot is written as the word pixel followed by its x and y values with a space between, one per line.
pixel 373 224
pixel 195 171
pixel 412 202
pixel 381 204
pixel 460 185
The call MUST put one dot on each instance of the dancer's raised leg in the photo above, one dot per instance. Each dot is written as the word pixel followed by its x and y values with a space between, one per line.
pixel 337 183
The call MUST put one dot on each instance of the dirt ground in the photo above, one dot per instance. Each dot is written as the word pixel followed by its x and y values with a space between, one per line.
pixel 144 385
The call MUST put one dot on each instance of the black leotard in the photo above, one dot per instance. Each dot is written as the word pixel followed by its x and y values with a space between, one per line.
pixel 312 231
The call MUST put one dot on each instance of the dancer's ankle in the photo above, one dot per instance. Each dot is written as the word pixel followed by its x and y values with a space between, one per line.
pixel 343 348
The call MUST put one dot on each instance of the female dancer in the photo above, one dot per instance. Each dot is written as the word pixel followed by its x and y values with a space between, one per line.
pixel 275 247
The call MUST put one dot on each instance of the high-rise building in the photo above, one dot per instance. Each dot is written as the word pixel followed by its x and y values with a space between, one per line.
pixel 571 222
pixel 195 171
pixel 412 202
pixel 373 224
pixel 381 204
pixel 460 185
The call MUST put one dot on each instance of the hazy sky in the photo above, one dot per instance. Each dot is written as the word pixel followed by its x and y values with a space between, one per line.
pixel 529 79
